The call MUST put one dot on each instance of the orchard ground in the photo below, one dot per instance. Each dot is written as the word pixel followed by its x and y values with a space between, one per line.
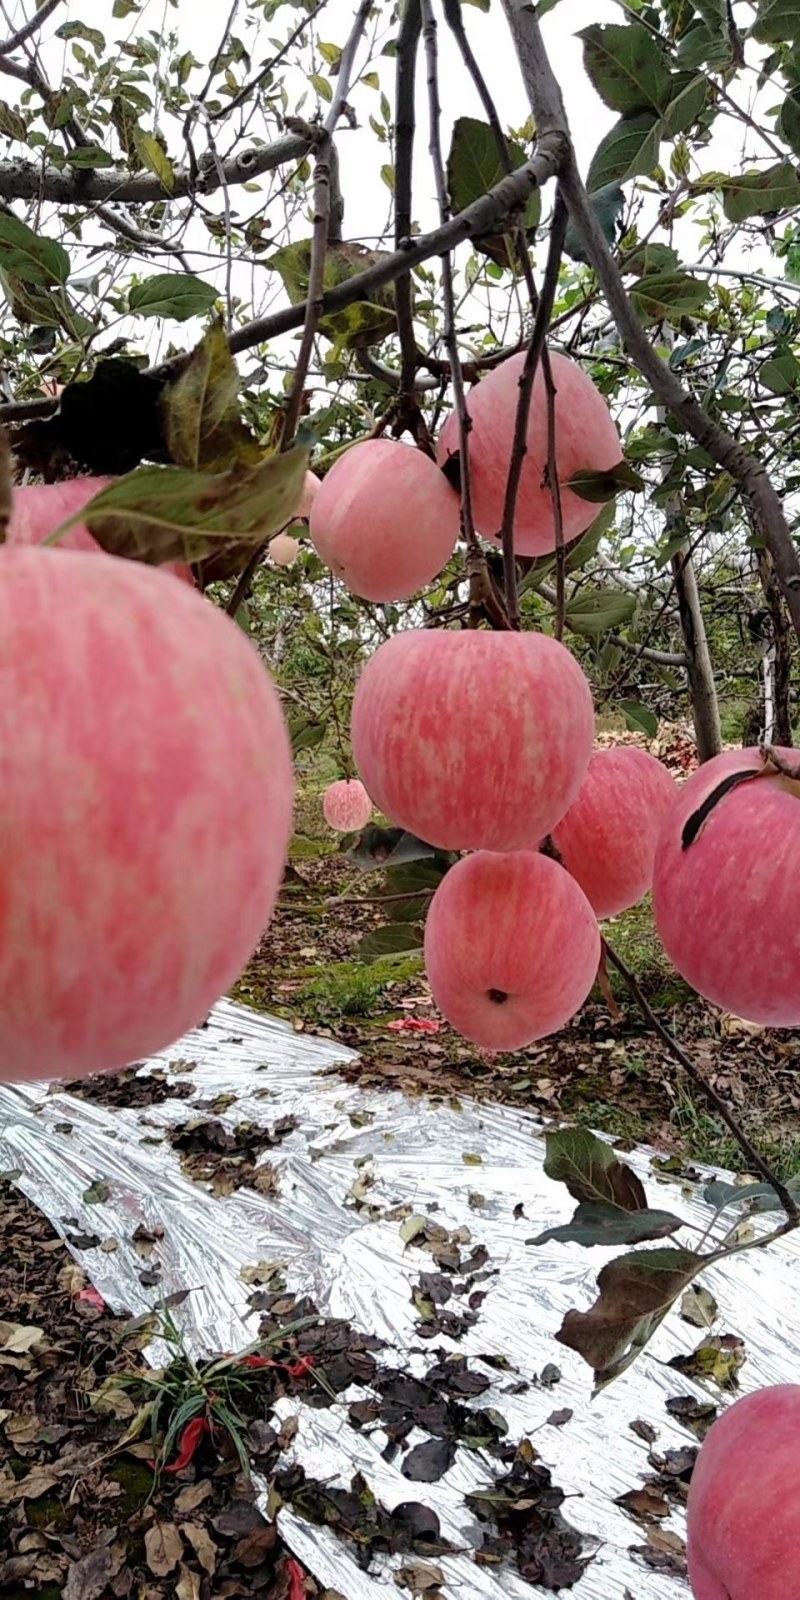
pixel 612 1075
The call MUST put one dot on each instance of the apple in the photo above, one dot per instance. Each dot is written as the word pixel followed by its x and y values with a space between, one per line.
pixel 586 439
pixel 607 840
pixel 512 948
pixel 40 508
pixel 726 906
pixel 346 806
pixel 472 740
pixel 146 802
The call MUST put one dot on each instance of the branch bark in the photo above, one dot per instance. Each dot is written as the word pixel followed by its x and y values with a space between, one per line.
pixel 748 473
pixel 699 670
pixel 29 28
pixel 23 180
pixel 405 122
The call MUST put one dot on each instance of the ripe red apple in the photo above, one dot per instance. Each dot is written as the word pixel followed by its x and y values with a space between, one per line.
pixel 145 810
pixel 743 1510
pixel 607 840
pixel 385 520
pixel 473 740
pixel 511 948
pixel 586 439
pixel 40 508
pixel 727 908
pixel 284 550
pixel 346 806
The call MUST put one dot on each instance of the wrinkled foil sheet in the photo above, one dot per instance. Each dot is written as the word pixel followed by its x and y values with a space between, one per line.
pixel 356 1266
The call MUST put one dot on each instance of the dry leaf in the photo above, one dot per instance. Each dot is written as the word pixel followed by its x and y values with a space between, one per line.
pixel 18 1338
pixel 203 1546
pixel 112 1401
pixel 89 1578
pixel 698 1306
pixel 193 1496
pixel 38 1481
pixel 23 1430
pixel 72 1278
pixel 188 1585
pixel 163 1548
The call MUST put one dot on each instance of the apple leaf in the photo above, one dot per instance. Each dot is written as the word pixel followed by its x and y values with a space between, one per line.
pixel 626 64
pixel 178 295
pixel 158 514
pixel 201 411
pixel 777 20
pixel 638 719
pixel 596 610
pixel 598 487
pixel 474 166
pixel 397 938
pixel 590 1170
pixel 628 150
pixel 594 1224
pixel 635 1293
pixel 662 295
pixel 753 194
pixel 30 257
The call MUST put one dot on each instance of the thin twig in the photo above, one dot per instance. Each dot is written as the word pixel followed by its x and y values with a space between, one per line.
pixel 535 351
pixel 480 581
pixel 316 284
pixel 555 498
pixel 756 1161
pixel 405 124
pixel 264 72
pixel 29 28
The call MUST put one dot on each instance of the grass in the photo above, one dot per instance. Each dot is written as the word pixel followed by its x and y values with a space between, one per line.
pixel 352 988
pixel 704 1138
pixel 633 935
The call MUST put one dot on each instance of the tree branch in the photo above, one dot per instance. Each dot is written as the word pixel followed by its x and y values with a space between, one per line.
pixel 754 484
pixel 23 180
pixel 405 123
pixel 29 28
pixel 755 1161
pixel 519 447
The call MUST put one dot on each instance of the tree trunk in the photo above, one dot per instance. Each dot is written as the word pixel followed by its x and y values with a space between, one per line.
pixel 702 689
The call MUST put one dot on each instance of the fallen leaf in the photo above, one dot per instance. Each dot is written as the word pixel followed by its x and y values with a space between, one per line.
pixel 163 1548
pixel 698 1306
pixel 89 1578
pixel 428 1462
pixel 644 1504
pixel 188 1585
pixel 18 1338
pixel 112 1401
pixel 193 1496
pixel 202 1545
pixel 37 1482
pixel 419 1576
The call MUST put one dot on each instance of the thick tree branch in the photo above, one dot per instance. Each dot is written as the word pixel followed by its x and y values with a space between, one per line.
pixel 754 484
pixel 23 180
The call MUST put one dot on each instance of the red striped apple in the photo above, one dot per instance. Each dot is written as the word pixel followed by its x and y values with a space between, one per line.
pixel 346 806
pixel 586 439
pixel 607 840
pixel 472 740
pixel 385 520
pixel 743 1510
pixel 726 905
pixel 511 948
pixel 146 793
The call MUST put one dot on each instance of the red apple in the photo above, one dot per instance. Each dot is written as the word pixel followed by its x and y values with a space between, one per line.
pixel 511 948
pixel 473 740
pixel 743 1510
pixel 727 907
pixel 145 810
pixel 346 806
pixel 607 840
pixel 586 440
pixel 385 520
pixel 284 550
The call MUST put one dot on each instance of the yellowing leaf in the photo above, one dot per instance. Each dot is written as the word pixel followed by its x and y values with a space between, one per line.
pixel 155 159
pixel 201 410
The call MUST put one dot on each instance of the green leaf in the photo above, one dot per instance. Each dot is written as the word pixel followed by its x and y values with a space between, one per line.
pixel 590 1170
pixel 79 30
pixel 90 155
pixel 663 295
pixel 756 1196
pixel 29 256
pixel 321 85
pixel 483 5
pixel 158 514
pixel 357 326
pixel 753 194
pixel 598 487
pixel 777 21
pixel 594 1224
pixel 474 166
pixel 172 294
pixel 687 103
pixel 635 1293
pixel 789 121
pixel 651 258
pixel 705 46
pixel 629 149
pixel 155 158
pixel 202 413
pixel 638 719
pixel 394 940
pixel 11 123
pixel 306 732
pixel 96 1194
pixel 781 374
pixel 626 65
pixel 607 204
pixel 596 610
